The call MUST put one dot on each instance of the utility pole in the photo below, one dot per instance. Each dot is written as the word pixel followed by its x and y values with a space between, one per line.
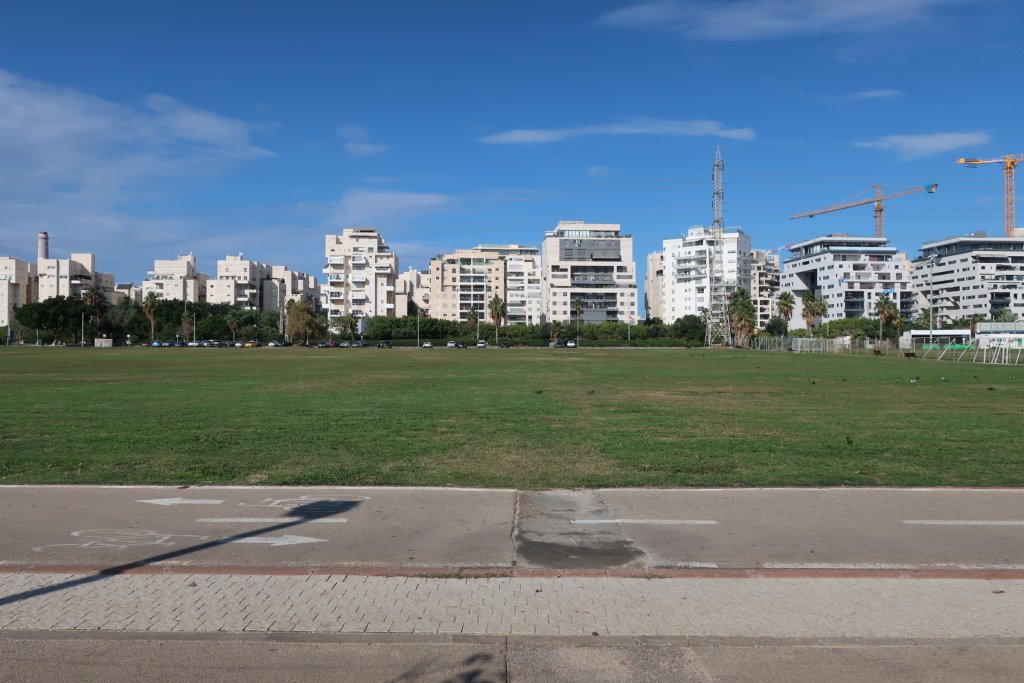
pixel 717 330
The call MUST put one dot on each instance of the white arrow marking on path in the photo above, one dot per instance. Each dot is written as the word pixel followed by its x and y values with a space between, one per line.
pixel 274 540
pixel 181 501
pixel 644 521
pixel 272 520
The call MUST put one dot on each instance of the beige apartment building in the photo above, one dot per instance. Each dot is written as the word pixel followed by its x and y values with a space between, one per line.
pixel 465 281
pixel 361 273
pixel 71 276
pixel 764 285
pixel 592 263
pixel 654 282
pixel 17 286
pixel 238 282
pixel 176 279
pixel 416 286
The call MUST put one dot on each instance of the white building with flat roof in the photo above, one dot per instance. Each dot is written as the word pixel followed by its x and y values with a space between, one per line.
pixel 176 279
pixel 464 282
pixel 765 278
pixel 17 286
pixel 970 275
pixel 238 282
pixel 71 276
pixel 416 286
pixel 654 286
pixel 361 272
pixel 592 263
pixel 850 274
pixel 686 284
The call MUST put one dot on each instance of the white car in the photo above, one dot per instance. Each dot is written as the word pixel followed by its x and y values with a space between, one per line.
pixel 428 345
pixel 450 345
pixel 481 343
pixel 570 344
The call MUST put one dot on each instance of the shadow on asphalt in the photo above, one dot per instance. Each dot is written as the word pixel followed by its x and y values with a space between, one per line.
pixel 317 509
pixel 472 671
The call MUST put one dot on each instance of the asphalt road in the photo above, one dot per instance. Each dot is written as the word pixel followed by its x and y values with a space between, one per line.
pixel 902 529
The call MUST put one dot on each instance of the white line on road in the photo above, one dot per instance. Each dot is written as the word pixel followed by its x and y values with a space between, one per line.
pixel 272 520
pixel 893 566
pixel 966 522
pixel 273 540
pixel 644 521
pixel 181 501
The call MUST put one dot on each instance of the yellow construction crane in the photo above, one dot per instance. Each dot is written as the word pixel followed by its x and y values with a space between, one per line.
pixel 1009 163
pixel 877 200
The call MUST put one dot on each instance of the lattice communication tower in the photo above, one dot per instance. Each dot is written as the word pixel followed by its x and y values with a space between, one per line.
pixel 718 314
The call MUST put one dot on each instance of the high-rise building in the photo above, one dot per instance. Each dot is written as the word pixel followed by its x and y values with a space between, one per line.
pixel 686 288
pixel 361 273
pixel 239 282
pixel 465 281
pixel 591 263
pixel 764 285
pixel 654 285
pixel 850 274
pixel 283 285
pixel 415 285
pixel 176 279
pixel 970 275
pixel 17 286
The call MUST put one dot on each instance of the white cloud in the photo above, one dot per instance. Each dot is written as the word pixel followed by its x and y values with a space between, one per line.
pixel 914 146
pixel 768 19
pixel 597 171
pixel 670 127
pixel 874 95
pixel 357 141
pixel 371 207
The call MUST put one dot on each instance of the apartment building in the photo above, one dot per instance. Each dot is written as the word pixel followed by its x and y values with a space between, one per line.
pixel 654 285
pixel 970 275
pixel 415 285
pixel 361 274
pixel 17 286
pixel 239 282
pixel 463 282
pixel 283 286
pixel 765 279
pixel 850 274
pixel 71 276
pixel 592 263
pixel 176 279
pixel 686 283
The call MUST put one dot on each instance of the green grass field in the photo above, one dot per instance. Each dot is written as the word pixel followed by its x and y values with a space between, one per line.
pixel 512 417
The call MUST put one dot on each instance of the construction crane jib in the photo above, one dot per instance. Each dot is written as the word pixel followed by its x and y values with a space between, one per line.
pixel 1009 163
pixel 876 200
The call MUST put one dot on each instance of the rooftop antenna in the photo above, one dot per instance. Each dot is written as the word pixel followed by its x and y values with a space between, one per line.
pixel 717 325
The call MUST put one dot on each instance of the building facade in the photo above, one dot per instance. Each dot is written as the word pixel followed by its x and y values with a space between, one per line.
pixel 17 286
pixel 591 263
pixel 765 279
pixel 361 273
pixel 461 283
pixel 415 285
pixel 686 283
pixel 239 282
pixel 971 275
pixel 654 286
pixel 176 279
pixel 850 274
pixel 71 276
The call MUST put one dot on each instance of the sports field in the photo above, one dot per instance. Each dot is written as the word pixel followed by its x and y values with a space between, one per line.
pixel 505 417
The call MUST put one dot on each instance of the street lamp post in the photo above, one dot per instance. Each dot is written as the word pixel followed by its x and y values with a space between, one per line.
pixel 931 299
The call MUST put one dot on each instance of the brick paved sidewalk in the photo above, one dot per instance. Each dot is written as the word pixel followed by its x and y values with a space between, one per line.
pixel 751 607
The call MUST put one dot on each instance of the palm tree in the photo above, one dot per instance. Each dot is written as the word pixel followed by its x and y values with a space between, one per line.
pixel 94 299
pixel 498 311
pixel 741 316
pixel 887 312
pixel 150 305
pixel 232 321
pixel 577 307
pixel 557 329
pixel 785 303
pixel 810 309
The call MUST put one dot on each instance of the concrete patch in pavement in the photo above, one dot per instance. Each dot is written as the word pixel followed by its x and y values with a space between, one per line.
pixel 545 535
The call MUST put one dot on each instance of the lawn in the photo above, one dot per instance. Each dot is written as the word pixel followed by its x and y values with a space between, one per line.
pixel 505 417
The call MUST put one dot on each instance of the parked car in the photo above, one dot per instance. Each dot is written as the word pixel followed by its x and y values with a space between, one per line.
pixel 156 343
pixel 450 345
pixel 428 345
pixel 356 345
pixel 383 344
pixel 481 343
pixel 571 344
pixel 559 344
pixel 503 344
pixel 343 345
pixel 460 345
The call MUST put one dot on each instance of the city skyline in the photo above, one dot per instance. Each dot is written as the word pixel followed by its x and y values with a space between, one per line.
pixel 455 126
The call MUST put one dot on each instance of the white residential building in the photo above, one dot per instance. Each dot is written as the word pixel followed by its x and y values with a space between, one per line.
pixel 970 275
pixel 654 286
pixel 176 279
pixel 71 276
pixel 17 286
pixel 283 286
pixel 850 274
pixel 764 285
pixel 361 274
pixel 592 263
pixel 687 282
pixel 462 282
pixel 416 285
pixel 238 282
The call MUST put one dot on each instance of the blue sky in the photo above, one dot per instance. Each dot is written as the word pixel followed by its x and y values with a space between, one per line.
pixel 142 130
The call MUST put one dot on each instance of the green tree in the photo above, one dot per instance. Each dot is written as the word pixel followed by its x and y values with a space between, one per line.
pixel 95 300
pixel 1004 315
pixel 150 306
pixel 577 307
pixel 777 326
pixel 233 321
pixel 786 303
pixel 813 306
pixel 498 311
pixel 301 321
